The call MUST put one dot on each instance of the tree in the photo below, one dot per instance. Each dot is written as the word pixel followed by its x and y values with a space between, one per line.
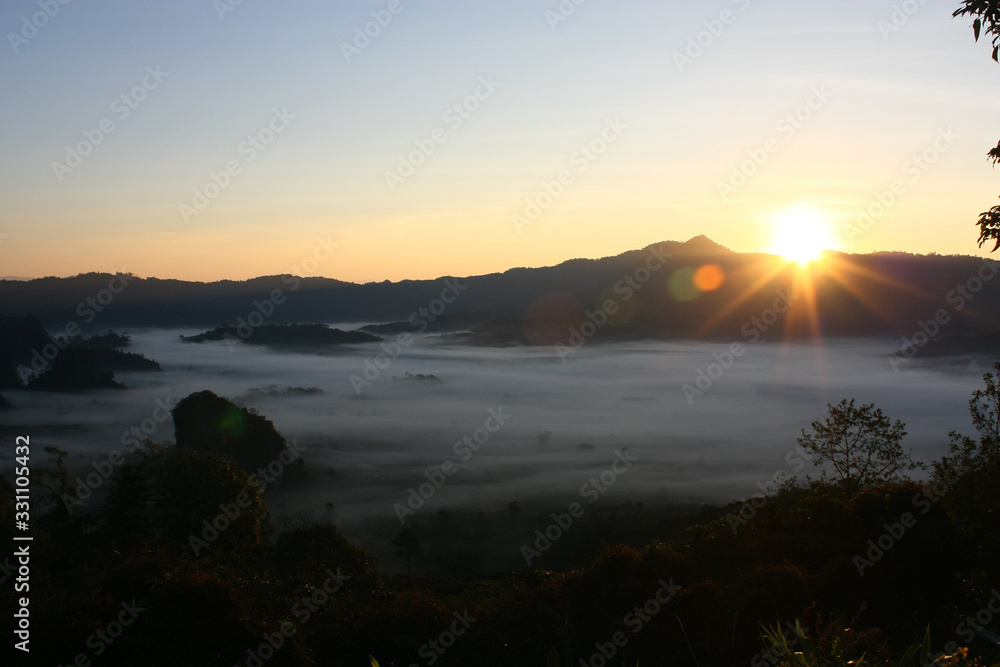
pixel 75 369
pixel 191 501
pixel 126 509
pixel 208 423
pixel 987 14
pixel 56 481
pixel 980 457
pixel 970 474
pixel 407 546
pixel 861 443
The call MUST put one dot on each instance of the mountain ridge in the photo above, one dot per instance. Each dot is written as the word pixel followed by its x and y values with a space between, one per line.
pixel 696 244
pixel 876 294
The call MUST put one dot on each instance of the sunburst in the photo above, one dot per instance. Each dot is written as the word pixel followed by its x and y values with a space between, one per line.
pixel 801 234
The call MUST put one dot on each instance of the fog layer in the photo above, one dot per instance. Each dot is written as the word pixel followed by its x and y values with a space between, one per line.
pixel 369 440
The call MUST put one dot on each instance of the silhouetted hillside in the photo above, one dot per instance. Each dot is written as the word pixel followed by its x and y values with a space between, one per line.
pixel 30 354
pixel 74 369
pixel 986 345
pixel 21 336
pixel 109 340
pixel 210 424
pixel 8 374
pixel 285 336
pixel 116 360
pixel 658 291
pixel 445 323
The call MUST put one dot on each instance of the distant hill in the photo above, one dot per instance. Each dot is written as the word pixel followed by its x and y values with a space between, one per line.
pixel 307 336
pixel 31 356
pixel 208 423
pixel 984 345
pixel 75 369
pixel 881 294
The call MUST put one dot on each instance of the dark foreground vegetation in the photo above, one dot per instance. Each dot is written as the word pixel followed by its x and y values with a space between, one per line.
pixel 180 563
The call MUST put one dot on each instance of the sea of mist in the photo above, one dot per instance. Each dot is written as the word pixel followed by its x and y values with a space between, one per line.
pixel 365 450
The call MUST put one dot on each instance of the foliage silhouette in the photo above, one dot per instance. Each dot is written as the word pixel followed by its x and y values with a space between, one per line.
pixel 792 560
pixel 861 444
pixel 206 422
pixel 407 546
pixel 987 15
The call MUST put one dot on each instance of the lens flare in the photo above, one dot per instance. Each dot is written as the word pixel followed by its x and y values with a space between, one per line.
pixel 801 234
pixel 709 277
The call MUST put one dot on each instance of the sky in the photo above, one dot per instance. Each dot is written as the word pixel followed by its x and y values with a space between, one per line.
pixel 207 140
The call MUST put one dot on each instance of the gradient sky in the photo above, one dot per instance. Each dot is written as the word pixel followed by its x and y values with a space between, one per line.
pixel 323 176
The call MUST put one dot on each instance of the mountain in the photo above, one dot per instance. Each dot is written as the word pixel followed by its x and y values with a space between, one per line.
pixel 696 289
pixel 30 354
pixel 210 424
pixel 75 369
pixel 293 336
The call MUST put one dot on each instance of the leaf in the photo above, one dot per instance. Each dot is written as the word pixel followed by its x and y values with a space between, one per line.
pixel 907 659
pixel 807 647
pixel 374 662
pixel 976 27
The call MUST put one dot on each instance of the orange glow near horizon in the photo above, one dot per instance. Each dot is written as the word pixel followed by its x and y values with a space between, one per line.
pixel 801 233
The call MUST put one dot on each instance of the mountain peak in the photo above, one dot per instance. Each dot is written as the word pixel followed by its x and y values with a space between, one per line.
pixel 698 245
pixel 702 245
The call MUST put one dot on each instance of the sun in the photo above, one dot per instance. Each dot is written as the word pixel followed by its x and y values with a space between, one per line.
pixel 801 234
